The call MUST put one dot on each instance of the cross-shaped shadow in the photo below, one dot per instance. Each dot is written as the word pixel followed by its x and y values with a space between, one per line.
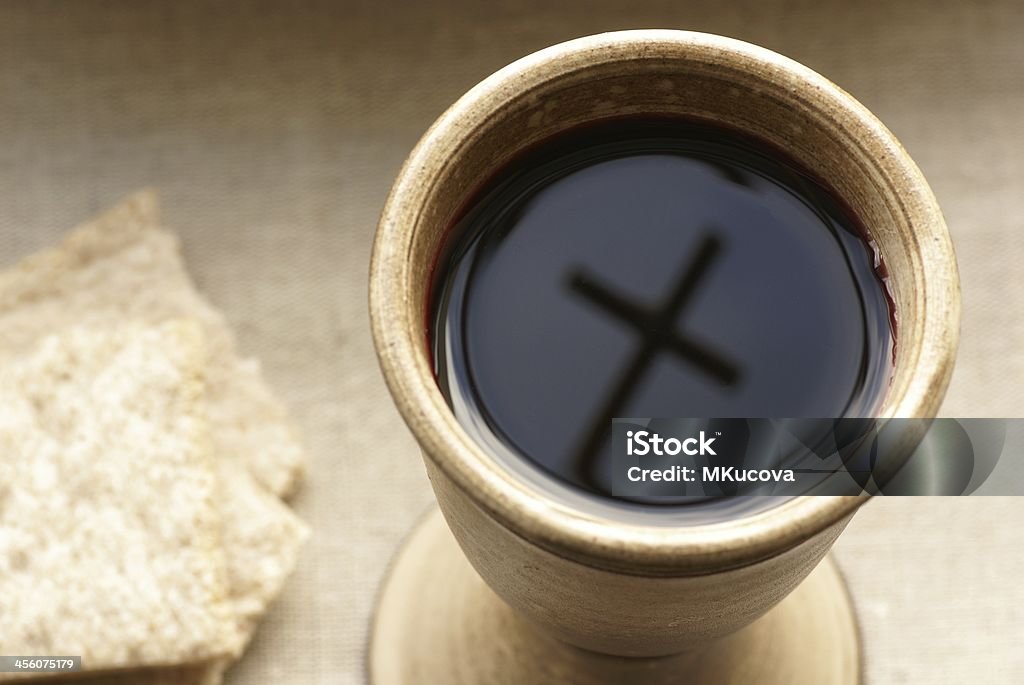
pixel 656 327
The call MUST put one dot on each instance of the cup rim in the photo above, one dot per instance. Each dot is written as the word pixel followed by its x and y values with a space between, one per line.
pixel 632 547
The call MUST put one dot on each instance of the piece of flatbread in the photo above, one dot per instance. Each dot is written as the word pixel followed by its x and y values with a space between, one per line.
pixel 109 521
pixel 121 266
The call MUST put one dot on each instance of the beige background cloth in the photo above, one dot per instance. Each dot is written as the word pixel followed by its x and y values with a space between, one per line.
pixel 274 130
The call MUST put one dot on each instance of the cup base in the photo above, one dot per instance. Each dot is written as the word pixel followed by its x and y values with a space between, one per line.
pixel 437 622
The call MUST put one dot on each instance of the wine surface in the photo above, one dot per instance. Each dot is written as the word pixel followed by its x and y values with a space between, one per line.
pixel 652 268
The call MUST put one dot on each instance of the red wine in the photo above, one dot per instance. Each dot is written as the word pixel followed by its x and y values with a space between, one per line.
pixel 653 268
